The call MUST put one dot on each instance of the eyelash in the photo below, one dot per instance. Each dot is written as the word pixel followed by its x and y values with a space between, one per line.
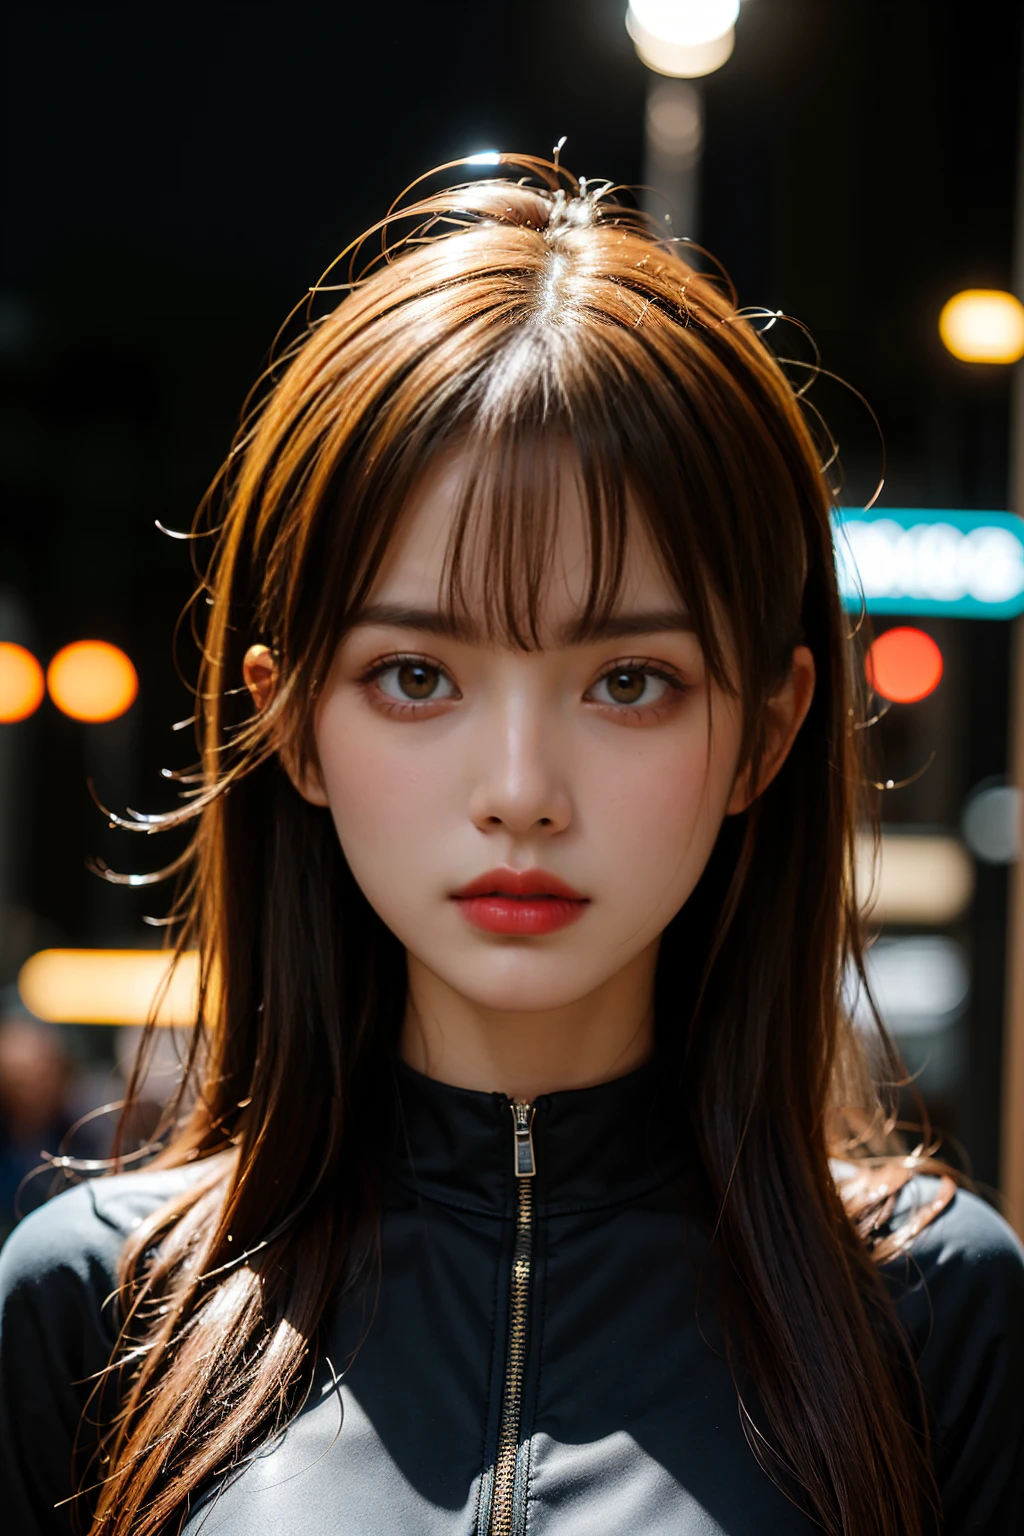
pixel 632 664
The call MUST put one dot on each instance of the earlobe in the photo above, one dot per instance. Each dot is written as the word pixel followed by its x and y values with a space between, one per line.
pixel 787 711
pixel 741 796
pixel 259 669
pixel 309 784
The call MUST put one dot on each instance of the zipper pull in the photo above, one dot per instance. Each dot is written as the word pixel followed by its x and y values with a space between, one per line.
pixel 523 1163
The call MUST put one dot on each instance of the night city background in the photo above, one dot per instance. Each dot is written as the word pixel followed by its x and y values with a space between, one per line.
pixel 176 178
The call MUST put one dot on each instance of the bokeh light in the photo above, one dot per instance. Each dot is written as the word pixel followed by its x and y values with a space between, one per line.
pixel 991 822
pixel 983 325
pixel 109 986
pixel 904 665
pixel 21 683
pixel 675 129
pixel 92 680
pixel 685 38
pixel 925 879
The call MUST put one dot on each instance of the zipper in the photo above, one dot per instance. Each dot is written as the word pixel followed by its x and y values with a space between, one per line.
pixel 524 1165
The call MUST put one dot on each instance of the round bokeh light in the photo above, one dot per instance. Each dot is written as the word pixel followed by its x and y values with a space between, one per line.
pixel 991 822
pixel 983 325
pixel 21 683
pixel 92 680
pixel 904 665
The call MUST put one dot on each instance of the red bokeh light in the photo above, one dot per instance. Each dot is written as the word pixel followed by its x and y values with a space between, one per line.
pixel 904 665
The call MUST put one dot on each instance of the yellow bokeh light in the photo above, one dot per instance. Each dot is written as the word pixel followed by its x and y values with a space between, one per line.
pixel 919 879
pixel 91 680
pixel 21 683
pixel 983 325
pixel 109 986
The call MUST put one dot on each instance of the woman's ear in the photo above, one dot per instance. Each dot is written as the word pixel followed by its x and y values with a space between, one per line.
pixel 787 711
pixel 260 672
pixel 259 669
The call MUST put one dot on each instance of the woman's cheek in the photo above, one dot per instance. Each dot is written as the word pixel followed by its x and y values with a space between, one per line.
pixel 384 800
pixel 661 815
pixel 370 771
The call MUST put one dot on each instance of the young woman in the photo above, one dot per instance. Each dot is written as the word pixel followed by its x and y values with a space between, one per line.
pixel 529 1175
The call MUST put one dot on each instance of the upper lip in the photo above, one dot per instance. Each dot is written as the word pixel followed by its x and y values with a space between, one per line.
pixel 519 882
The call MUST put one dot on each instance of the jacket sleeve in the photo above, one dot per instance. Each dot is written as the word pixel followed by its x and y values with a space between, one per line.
pixel 57 1330
pixel 960 1293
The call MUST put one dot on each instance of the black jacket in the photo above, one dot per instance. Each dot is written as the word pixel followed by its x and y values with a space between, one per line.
pixel 533 1362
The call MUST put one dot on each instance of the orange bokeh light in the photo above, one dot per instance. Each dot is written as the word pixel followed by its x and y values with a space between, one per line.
pixel 904 665
pixel 91 680
pixel 21 683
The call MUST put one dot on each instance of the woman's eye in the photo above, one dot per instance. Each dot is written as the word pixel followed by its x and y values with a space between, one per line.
pixel 413 681
pixel 633 686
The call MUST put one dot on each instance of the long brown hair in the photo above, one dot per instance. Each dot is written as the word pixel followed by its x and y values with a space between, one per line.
pixel 512 316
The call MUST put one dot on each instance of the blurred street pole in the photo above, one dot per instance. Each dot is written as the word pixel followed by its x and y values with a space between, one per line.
pixel 1012 1172
pixel 673 137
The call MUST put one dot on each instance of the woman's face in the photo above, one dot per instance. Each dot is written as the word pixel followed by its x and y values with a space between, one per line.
pixel 444 759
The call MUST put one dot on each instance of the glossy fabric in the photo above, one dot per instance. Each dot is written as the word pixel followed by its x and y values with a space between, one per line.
pixel 629 1422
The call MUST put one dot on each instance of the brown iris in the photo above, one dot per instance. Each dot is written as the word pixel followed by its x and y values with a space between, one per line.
pixel 417 680
pixel 626 687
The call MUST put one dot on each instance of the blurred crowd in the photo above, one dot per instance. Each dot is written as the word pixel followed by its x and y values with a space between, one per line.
pixel 60 1100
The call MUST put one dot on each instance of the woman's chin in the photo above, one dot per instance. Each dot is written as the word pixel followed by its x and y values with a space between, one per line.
pixel 520 983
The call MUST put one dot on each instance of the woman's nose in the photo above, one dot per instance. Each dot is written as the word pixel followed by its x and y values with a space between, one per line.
pixel 521 769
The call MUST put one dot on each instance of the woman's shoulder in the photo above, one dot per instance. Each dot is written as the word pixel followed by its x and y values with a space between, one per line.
pixel 957 1270
pixel 965 1254
pixel 958 1286
pixel 938 1233
pixel 77 1237
pixel 59 1323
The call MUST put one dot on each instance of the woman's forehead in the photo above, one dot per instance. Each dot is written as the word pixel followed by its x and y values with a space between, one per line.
pixel 414 571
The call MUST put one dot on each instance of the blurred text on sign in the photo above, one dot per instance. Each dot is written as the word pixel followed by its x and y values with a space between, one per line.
pixel 959 564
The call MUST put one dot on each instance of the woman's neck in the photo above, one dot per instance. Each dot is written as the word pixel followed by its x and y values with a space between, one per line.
pixel 527 1052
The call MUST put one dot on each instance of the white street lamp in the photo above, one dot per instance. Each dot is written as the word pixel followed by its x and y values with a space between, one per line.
pixel 685 38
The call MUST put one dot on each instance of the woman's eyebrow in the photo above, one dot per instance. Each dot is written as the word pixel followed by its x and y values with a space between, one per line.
pixel 581 631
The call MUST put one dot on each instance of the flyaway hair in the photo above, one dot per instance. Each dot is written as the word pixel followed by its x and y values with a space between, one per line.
pixel 512 318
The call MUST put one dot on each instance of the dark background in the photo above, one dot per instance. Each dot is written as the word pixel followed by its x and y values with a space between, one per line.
pixel 176 176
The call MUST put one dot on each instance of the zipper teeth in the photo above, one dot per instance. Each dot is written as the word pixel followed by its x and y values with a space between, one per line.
pixel 508 1433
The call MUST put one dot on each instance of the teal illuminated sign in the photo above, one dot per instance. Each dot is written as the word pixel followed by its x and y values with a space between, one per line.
pixel 967 565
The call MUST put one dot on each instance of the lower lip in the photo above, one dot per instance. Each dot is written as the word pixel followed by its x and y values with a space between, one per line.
pixel 526 915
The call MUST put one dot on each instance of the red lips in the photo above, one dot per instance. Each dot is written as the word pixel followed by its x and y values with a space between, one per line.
pixel 520 903
pixel 518 882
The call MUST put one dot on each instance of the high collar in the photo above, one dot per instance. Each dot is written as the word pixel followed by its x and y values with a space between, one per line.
pixel 601 1146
